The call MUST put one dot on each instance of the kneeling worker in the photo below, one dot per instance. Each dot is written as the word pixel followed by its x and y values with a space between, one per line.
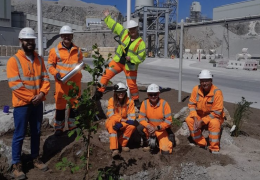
pixel 121 117
pixel 155 116
pixel 206 108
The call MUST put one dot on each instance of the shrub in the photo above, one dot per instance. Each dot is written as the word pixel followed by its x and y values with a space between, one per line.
pixel 241 113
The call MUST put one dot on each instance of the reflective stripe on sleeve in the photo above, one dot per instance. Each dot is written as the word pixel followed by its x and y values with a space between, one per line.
pixel 167 115
pixel 109 115
pixel 168 122
pixel 17 86
pixel 14 79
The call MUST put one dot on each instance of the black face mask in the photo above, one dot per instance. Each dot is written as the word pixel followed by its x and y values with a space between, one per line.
pixel 28 50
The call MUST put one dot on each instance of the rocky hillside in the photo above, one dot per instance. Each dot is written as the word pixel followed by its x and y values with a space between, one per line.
pixel 70 11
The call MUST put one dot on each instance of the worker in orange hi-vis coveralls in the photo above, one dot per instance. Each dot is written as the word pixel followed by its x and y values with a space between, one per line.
pixel 129 54
pixel 206 108
pixel 121 117
pixel 155 116
pixel 62 59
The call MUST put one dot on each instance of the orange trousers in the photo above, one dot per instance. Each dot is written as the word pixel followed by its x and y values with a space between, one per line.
pixel 164 143
pixel 214 127
pixel 124 137
pixel 60 90
pixel 115 68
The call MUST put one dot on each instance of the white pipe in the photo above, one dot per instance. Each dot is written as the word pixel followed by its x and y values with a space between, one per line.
pixel 128 19
pixel 180 63
pixel 39 18
pixel 128 10
pixel 40 47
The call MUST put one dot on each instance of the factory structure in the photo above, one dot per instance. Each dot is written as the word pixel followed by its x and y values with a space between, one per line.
pixel 158 26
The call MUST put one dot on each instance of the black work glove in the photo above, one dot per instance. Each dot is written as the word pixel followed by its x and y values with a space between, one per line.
pixel 130 122
pixel 117 126
pixel 58 76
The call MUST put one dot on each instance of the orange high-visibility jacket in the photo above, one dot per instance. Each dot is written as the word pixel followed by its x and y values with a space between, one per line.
pixel 126 112
pixel 26 79
pixel 159 115
pixel 208 107
pixel 63 61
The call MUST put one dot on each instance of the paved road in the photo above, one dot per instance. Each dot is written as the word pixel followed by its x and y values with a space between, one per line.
pixel 165 72
pixel 235 84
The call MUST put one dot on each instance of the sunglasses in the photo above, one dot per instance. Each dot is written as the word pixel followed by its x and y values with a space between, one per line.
pixel 120 92
pixel 153 94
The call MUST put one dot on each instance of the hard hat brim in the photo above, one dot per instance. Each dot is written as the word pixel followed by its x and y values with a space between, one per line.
pixel 66 33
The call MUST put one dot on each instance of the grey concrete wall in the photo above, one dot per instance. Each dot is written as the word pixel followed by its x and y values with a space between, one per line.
pixel 239 9
pixel 5 13
pixel 9 36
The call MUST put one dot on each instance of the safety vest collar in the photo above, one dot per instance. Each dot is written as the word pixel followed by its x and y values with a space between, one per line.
pixel 211 92
pixel 157 105
pixel 60 46
pixel 22 54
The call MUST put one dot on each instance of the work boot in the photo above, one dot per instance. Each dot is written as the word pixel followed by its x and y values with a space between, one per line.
pixel 97 96
pixel 146 149
pixel 58 132
pixel 125 149
pixel 17 171
pixel 137 103
pixel 115 153
pixel 215 152
pixel 39 164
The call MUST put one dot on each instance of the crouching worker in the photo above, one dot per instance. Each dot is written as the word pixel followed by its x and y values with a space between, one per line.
pixel 121 117
pixel 206 109
pixel 155 118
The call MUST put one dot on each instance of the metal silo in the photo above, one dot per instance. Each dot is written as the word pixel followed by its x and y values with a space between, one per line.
pixel 141 3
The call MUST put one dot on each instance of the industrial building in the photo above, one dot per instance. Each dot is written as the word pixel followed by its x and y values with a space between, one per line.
pixel 239 9
pixel 5 13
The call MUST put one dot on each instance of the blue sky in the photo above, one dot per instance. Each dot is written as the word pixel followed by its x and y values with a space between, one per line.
pixel 184 5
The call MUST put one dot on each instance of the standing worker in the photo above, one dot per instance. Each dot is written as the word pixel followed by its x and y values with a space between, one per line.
pixel 155 118
pixel 29 81
pixel 121 117
pixel 129 54
pixel 63 59
pixel 206 108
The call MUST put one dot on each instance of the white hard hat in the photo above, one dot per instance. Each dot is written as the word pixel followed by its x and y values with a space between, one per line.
pixel 66 30
pixel 132 24
pixel 205 74
pixel 120 87
pixel 27 33
pixel 153 88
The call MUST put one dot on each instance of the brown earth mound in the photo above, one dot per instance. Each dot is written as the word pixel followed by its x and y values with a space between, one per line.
pixel 54 149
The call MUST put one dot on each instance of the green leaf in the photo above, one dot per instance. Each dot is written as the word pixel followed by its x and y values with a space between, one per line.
pixel 64 160
pixel 70 133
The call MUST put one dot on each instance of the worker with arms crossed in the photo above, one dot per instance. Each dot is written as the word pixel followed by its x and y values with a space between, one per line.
pixel 29 81
pixel 128 56
pixel 155 118
pixel 62 59
pixel 121 117
pixel 206 109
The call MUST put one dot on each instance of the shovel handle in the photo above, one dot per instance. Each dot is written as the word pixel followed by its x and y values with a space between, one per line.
pixel 117 38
